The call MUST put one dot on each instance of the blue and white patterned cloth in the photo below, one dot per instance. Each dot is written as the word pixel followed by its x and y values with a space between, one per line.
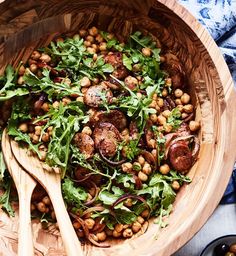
pixel 219 18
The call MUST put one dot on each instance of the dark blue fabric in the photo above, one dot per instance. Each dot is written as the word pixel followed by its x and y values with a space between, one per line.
pixel 219 18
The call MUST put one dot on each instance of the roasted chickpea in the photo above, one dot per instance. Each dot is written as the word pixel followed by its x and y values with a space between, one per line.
pixel 41 207
pixel 178 93
pixel 20 80
pixel 56 104
pixel 35 55
pixel 99 38
pixel 152 143
pixel 45 58
pixel 108 231
pixel 141 160
pixel 89 223
pixel 95 56
pixel 87 43
pixel 76 225
pixel 147 168
pixel 80 99
pixel 131 82
pixel 168 82
pixel 93 31
pixel 116 234
pixel 180 107
pixel 101 236
pixel 178 102
pixel 161 119
pixel 45 137
pixel 146 52
pixel 153 118
pixel 160 102
pixel 83 32
pixel 164 92
pixel 140 220
pixel 168 128
pixel 153 104
pixel 33 68
pixel 23 127
pixel 85 82
pixel 38 130
pixel 142 176
pixel 125 132
pixel 90 38
pixel 87 130
pixel 46 200
pixel 136 226
pixel 43 155
pixel 127 167
pixel 175 185
pixel 21 70
pixel 91 50
pixel 128 202
pixel 185 98
pixel 45 107
pixel 154 152
pixel 164 169
pixel 166 113
pixel 188 108
pixel 194 126
pixel 127 233
pixel 66 101
pixel 184 115
pixel 35 139
pixel 103 46
pixel 119 227
pixel 154 96
pixel 80 233
pixel 145 213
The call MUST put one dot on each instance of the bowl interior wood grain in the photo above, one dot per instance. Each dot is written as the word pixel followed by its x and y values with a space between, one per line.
pixel 26 25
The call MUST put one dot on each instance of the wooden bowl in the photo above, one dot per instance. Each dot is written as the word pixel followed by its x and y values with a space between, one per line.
pixel 25 25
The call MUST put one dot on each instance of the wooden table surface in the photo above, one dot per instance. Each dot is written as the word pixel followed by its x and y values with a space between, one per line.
pixel 222 222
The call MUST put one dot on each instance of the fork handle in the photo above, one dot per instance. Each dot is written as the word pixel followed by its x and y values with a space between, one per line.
pixel 71 242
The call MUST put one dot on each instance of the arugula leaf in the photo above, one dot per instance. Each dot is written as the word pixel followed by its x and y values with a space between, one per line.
pixel 143 41
pixel 5 198
pixel 131 149
pixel 174 119
pixel 125 217
pixel 73 195
pixel 126 179
pixel 2 166
pixel 127 62
pixel 109 198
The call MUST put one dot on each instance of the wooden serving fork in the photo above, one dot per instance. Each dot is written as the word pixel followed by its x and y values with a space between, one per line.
pixel 25 185
pixel 51 182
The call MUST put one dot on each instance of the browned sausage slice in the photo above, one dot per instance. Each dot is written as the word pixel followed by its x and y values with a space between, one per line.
pixel 115 117
pixel 180 156
pixel 85 144
pixel 95 95
pixel 105 137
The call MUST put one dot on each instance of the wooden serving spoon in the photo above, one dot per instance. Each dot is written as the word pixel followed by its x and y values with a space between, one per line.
pixel 51 182
pixel 25 185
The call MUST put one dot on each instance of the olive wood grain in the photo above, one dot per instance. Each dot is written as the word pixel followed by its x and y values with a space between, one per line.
pixel 52 184
pixel 25 186
pixel 209 81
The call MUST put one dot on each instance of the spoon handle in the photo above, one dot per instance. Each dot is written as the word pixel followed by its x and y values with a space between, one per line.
pixel 69 237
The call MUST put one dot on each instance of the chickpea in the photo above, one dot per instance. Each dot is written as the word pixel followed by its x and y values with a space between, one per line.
pixel 154 96
pixel 101 236
pixel 43 155
pixel 180 107
pixel 91 50
pixel 127 167
pixel 21 70
pixel 158 109
pixel 20 80
pixel 152 143
pixel 161 120
pixel 146 52
pixel 162 59
pixel 137 166
pixel 128 202
pixel 50 130
pixel 23 127
pixel 110 36
pixel 127 233
pixel 194 126
pixel 178 93
pixel 119 227
pixel 108 231
pixel 80 99
pixel 85 82
pixel 142 176
pixel 147 168
pixel 153 118
pixel 125 132
pixel 145 213
pixel 87 130
pixel 66 101
pixel 153 104
pixel 139 95
pixel 90 38
pixel 56 104
pixel 160 102
pixel 96 80
pixel 35 139
pixel 45 58
pixel 178 102
pixel 154 152
pixel 175 185
pixel 35 55
pixel 168 82
pixel 83 32
pixel 59 39
pixel 45 137
pixel 99 38
pixel 164 169
pixel 76 225
pixel 103 46
pixel 87 43
pixel 188 108
pixel 66 81
pixel 168 128
pixel 136 226
pixel 38 130
pixel 46 200
pixel 140 220
pixel 141 160
pixel 166 113
pixel 33 68
pixel 137 68
pixel 89 223
pixel 95 47
pixel 116 234
pixel 93 31
pixel 95 56
pixel 45 107
pixel 185 98
pixel 41 207
pixel 164 92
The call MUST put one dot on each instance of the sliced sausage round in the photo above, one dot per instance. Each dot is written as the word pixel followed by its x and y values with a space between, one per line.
pixel 85 144
pixel 115 117
pixel 95 95
pixel 106 135
pixel 180 156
